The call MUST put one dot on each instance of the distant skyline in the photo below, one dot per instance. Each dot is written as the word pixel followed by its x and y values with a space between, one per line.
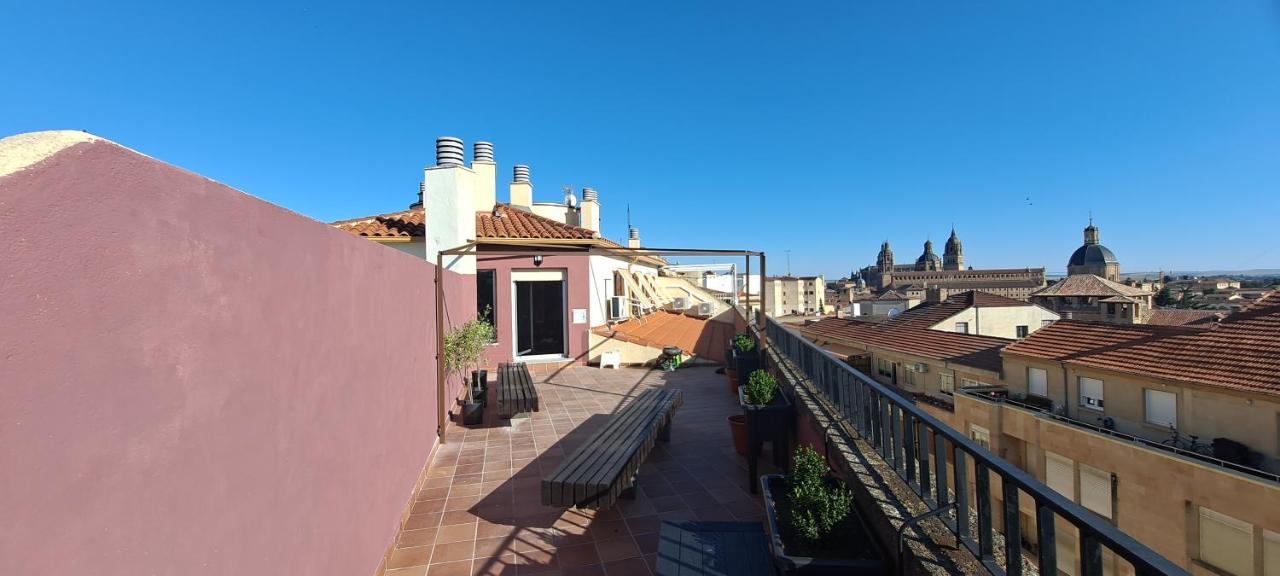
pixel 823 131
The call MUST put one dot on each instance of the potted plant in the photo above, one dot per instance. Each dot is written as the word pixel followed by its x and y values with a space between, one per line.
pixel 742 359
pixel 768 412
pixel 813 527
pixel 463 348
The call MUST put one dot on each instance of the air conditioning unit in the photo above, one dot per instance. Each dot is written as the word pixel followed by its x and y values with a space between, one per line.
pixel 706 309
pixel 680 303
pixel 921 367
pixel 618 308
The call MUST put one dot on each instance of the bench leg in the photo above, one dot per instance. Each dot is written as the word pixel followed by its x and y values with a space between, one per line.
pixel 628 494
pixel 664 433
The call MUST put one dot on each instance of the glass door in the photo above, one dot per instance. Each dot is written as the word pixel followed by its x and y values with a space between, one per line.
pixel 539 319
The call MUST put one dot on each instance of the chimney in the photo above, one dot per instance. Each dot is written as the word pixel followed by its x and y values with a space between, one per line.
pixel 448 151
pixel 590 210
pixel 486 188
pixel 522 188
pixel 934 293
pixel 449 189
pixel 634 240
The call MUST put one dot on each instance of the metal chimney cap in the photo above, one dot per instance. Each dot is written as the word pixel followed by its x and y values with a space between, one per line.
pixel 521 172
pixel 635 233
pixel 482 152
pixel 449 151
pixel 589 195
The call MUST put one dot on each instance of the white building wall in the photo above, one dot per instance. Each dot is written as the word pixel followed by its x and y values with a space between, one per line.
pixel 1000 321
pixel 602 269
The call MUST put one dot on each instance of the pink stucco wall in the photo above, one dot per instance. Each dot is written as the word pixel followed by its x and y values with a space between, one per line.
pixel 578 287
pixel 193 381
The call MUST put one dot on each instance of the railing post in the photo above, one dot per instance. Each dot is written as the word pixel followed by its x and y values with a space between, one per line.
pixel 940 467
pixel 910 450
pixel 896 414
pixel 922 456
pixel 1090 555
pixel 962 494
pixel 982 497
pixel 1012 529
pixel 1046 539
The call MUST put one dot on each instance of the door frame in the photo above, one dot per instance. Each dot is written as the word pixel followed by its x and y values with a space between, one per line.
pixel 540 275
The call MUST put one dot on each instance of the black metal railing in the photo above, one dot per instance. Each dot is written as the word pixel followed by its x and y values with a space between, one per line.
pixel 1140 441
pixel 919 449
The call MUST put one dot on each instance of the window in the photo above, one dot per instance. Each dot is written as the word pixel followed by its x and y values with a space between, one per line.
pixel 1021 331
pixel 911 377
pixel 487 297
pixel 1095 490
pixel 962 327
pixel 947 384
pixel 1037 382
pixel 1060 474
pixel 980 435
pixel 1090 392
pixel 882 366
pixel 1111 308
pixel 1161 408
pixel 1226 543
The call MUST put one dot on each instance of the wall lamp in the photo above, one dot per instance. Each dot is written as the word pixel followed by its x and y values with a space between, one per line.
pixel 537 260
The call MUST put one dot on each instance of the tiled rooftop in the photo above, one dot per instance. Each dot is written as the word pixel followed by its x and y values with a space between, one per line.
pixel 982 352
pixel 703 338
pixel 503 222
pixel 479 511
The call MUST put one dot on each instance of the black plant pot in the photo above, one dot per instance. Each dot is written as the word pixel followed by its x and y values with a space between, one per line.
pixel 857 553
pixel 746 363
pixel 472 413
pixel 771 421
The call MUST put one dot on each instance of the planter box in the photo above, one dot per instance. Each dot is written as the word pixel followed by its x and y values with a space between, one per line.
pixel 746 363
pixel 858 556
pixel 766 421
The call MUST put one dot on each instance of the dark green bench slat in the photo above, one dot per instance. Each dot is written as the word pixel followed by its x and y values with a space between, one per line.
pixel 595 475
pixel 516 391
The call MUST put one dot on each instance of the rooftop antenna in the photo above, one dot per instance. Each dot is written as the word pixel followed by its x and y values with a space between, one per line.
pixel 788 263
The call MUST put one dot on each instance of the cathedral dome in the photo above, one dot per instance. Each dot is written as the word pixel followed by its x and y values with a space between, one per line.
pixel 928 260
pixel 1092 255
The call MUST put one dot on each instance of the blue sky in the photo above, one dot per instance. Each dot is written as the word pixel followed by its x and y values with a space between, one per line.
pixel 823 128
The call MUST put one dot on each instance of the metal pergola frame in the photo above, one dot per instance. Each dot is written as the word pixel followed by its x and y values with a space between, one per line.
pixel 533 248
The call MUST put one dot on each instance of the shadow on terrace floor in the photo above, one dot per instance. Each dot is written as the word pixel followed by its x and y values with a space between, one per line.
pixel 480 510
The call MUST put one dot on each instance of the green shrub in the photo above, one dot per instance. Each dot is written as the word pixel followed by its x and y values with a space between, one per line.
pixel 760 388
pixel 816 508
pixel 743 343
pixel 464 346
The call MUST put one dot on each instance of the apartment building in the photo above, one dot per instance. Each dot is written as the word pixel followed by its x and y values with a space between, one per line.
pixel 1094 410
pixel 787 295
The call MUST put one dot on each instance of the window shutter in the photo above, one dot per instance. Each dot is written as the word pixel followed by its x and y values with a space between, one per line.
pixel 1161 408
pixel 1060 474
pixel 1037 382
pixel 1270 553
pixel 1095 490
pixel 1226 543
pixel 1091 392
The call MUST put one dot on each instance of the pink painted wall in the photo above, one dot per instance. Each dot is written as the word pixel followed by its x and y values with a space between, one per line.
pixel 194 381
pixel 577 281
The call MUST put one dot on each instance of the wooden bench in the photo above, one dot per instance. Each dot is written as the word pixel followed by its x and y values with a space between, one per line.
pixel 516 392
pixel 603 469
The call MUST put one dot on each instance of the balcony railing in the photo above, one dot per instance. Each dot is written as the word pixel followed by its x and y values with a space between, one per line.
pixel 919 449
pixel 1142 442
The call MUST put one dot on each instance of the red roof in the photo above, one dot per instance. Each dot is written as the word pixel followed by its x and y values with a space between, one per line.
pixel 1179 317
pixel 1241 353
pixel 982 352
pixel 696 336
pixel 504 222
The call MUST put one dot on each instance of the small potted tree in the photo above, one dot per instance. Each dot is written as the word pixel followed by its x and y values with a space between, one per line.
pixel 768 413
pixel 463 348
pixel 813 527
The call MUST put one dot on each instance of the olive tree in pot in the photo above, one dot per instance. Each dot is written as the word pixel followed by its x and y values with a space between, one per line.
pixel 743 359
pixel 813 527
pixel 463 347
pixel 768 413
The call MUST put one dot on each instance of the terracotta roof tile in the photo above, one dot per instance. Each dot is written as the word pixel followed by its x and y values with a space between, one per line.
pixel 403 224
pixel 1179 317
pixel 703 338
pixel 512 223
pixel 1242 352
pixel 504 222
pixel 982 352
pixel 1089 285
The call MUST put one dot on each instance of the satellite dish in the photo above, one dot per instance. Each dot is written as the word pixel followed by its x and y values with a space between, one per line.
pixel 894 312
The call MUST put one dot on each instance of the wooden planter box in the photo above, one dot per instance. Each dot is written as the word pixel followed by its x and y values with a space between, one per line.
pixel 858 557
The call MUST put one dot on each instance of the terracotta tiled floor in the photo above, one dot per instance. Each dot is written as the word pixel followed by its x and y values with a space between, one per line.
pixel 480 512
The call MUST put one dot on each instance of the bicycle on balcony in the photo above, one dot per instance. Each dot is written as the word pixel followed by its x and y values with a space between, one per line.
pixel 1190 442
